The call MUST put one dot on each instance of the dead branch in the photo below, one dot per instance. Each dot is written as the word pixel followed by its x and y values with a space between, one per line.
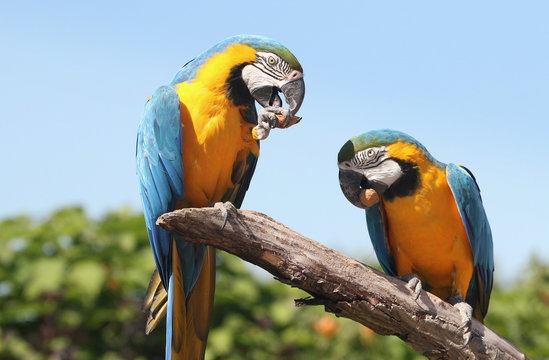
pixel 344 286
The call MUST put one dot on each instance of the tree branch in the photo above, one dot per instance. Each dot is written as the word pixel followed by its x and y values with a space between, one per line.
pixel 344 286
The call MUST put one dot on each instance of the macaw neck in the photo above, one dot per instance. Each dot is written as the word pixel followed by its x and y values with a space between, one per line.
pixel 419 171
pixel 407 184
pixel 221 73
pixel 236 88
pixel 430 182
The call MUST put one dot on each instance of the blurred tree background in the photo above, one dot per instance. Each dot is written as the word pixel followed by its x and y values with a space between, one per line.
pixel 71 288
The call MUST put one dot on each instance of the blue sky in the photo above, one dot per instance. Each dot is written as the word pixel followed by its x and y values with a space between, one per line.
pixel 470 80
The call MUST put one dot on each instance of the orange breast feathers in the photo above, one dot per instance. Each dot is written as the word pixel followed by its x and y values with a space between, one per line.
pixel 426 234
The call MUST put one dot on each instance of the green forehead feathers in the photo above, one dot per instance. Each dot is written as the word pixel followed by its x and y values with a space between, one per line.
pixel 284 54
pixel 347 152
pixel 264 44
pixel 375 138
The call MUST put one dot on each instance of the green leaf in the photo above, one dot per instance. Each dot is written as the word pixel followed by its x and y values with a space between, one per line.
pixel 88 277
pixel 43 276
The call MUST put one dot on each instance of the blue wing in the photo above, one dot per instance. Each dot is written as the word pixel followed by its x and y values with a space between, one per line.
pixel 375 217
pixel 467 195
pixel 160 170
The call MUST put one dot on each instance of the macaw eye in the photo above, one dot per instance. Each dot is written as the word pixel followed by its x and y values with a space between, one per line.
pixel 370 153
pixel 271 60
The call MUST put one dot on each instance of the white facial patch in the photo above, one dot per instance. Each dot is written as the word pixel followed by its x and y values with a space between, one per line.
pixel 255 78
pixel 387 172
pixel 267 70
pixel 272 64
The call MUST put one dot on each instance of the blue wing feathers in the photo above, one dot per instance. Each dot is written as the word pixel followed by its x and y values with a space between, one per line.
pixel 376 229
pixel 158 237
pixel 467 195
pixel 159 169
pixel 192 259
pixel 169 319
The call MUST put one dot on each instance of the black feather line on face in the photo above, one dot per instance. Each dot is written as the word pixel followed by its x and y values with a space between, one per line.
pixel 237 91
pixel 407 184
pixel 270 71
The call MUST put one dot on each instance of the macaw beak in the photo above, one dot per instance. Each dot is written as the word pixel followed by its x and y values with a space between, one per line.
pixel 294 91
pixel 352 183
pixel 292 87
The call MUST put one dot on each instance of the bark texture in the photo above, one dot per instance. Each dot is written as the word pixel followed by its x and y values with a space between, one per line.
pixel 344 286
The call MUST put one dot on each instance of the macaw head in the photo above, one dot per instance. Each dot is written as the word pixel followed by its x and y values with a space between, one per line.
pixel 387 161
pixel 275 69
pixel 249 67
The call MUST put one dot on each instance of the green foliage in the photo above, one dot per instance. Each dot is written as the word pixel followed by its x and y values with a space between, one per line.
pixel 71 288
pixel 521 315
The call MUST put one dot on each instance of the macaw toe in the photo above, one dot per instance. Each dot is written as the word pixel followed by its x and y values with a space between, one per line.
pixel 227 208
pixel 466 312
pixel 413 283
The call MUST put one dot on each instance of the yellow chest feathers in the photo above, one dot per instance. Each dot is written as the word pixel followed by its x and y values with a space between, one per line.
pixel 215 134
pixel 425 231
pixel 431 204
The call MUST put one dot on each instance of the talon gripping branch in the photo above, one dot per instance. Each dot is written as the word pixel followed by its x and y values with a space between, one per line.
pixel 197 144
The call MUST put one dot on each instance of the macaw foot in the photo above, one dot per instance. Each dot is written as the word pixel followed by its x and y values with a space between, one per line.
pixel 271 117
pixel 466 312
pixel 226 208
pixel 413 283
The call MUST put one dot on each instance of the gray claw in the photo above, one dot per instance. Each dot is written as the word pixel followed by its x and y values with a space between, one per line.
pixel 466 312
pixel 273 110
pixel 267 120
pixel 413 283
pixel 225 208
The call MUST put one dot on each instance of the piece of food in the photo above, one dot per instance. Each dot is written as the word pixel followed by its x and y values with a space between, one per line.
pixel 282 120
pixel 369 197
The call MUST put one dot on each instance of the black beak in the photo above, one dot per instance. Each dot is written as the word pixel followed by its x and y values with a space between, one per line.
pixel 351 184
pixel 293 90
pixel 267 96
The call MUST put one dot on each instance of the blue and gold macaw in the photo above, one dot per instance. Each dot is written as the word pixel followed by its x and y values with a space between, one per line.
pixel 429 223
pixel 198 144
